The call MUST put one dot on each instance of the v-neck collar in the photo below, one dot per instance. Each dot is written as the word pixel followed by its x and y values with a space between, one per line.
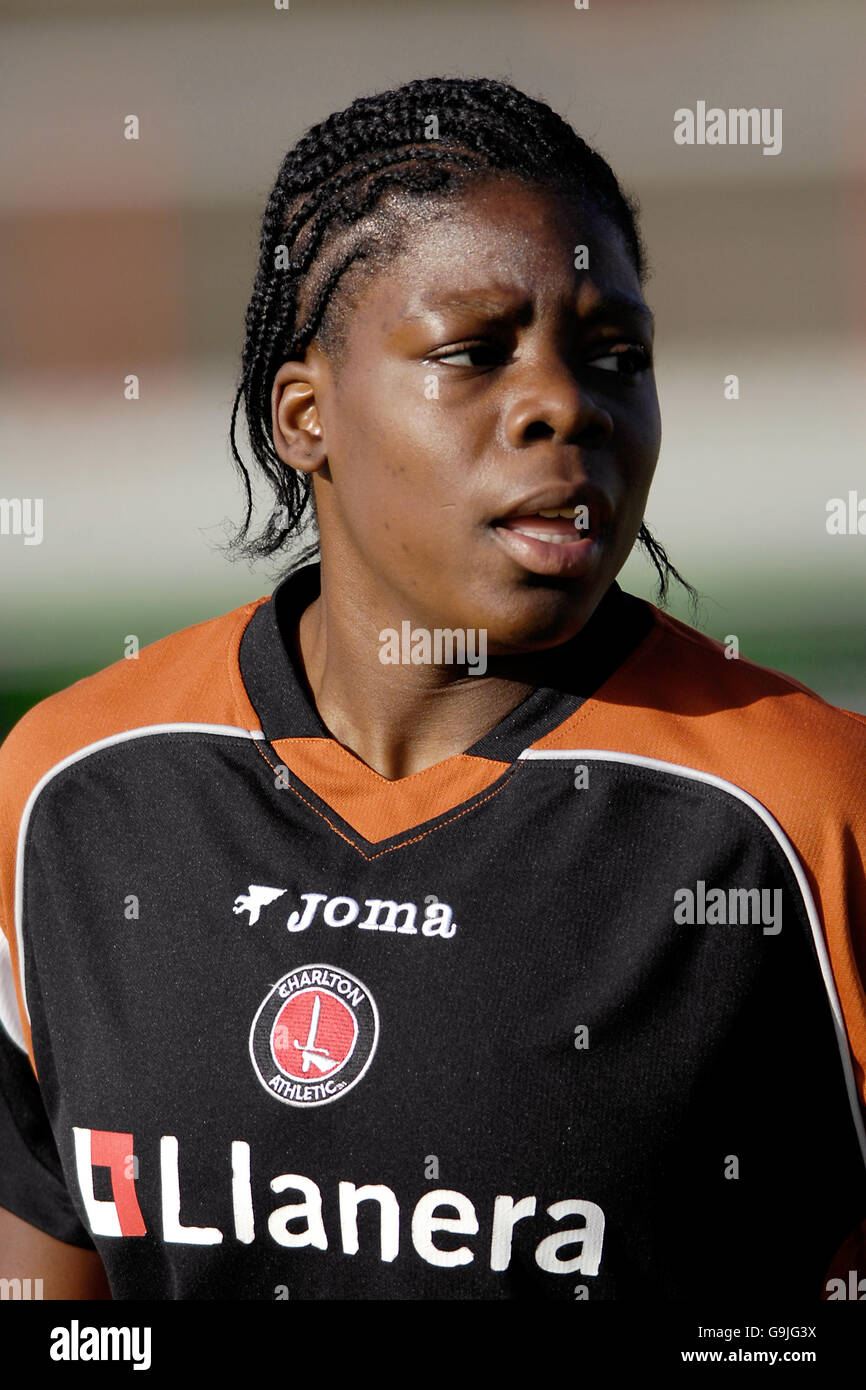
pixel 278 690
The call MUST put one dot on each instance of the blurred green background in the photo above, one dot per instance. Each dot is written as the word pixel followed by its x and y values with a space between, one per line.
pixel 120 257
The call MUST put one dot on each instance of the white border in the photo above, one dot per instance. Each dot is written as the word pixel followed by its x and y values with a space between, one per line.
pixel 11 1021
pixel 633 759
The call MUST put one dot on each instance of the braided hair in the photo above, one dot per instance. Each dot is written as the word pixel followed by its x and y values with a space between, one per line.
pixel 424 141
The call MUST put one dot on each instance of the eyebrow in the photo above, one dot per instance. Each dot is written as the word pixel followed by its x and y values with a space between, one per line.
pixel 470 299
pixel 492 303
pixel 618 299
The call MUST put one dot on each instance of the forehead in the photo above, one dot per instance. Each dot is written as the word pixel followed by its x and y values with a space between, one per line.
pixel 498 239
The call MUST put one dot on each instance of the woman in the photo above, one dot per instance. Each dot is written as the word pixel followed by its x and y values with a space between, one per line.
pixel 451 924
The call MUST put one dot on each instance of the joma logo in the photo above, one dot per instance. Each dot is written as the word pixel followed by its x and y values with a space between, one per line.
pixel 383 914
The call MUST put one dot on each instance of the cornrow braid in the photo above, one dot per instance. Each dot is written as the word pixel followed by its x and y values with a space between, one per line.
pixel 665 570
pixel 337 175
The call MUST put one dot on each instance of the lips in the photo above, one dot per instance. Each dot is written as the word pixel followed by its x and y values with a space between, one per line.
pixel 558 529
pixel 558 537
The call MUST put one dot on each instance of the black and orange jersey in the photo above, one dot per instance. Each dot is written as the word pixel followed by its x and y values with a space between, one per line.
pixel 577 1013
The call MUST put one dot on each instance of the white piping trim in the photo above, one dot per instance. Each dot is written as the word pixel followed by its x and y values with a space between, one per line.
pixel 634 759
pixel 228 729
pixel 9 1016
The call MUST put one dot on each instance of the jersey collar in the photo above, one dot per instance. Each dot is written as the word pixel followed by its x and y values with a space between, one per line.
pixel 279 694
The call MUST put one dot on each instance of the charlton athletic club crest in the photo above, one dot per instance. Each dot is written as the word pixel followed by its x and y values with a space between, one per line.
pixel 314 1035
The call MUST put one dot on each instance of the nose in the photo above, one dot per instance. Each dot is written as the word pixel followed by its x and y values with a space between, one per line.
pixel 550 403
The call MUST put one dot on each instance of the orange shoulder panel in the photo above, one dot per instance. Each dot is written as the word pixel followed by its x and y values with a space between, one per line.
pixel 678 698
pixel 189 677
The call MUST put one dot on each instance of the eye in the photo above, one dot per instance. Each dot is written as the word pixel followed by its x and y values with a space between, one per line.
pixel 476 354
pixel 625 361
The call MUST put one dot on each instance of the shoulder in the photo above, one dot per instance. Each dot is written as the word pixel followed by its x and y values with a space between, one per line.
pixel 682 700
pixel 752 704
pixel 189 677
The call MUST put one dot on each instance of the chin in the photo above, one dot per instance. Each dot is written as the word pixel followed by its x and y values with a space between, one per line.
pixel 537 618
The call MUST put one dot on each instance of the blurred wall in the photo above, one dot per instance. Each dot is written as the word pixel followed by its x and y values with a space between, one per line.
pixel 137 257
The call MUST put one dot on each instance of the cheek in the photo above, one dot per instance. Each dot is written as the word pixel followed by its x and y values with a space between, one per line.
pixel 655 429
pixel 653 411
pixel 640 436
pixel 386 456
pixel 388 423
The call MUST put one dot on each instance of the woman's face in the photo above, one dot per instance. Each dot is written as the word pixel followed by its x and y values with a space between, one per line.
pixel 484 379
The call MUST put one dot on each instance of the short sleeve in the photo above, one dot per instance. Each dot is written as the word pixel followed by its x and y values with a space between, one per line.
pixel 32 1186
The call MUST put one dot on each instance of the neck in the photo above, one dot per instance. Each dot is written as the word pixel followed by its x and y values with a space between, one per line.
pixel 400 718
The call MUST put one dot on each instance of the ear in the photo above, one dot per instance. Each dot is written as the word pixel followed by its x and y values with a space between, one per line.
pixel 297 429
